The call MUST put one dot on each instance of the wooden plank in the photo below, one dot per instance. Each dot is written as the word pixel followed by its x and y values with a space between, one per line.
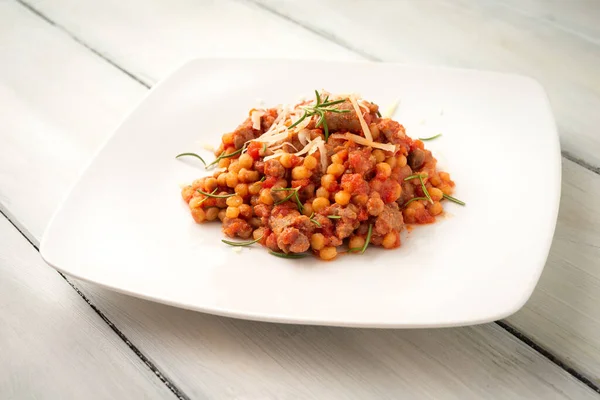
pixel 249 359
pixel 213 357
pixel 59 103
pixel 483 35
pixel 562 313
pixel 150 40
pixel 52 344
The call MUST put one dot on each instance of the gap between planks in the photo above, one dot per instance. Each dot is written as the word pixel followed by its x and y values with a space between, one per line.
pixel 170 385
pixel 340 42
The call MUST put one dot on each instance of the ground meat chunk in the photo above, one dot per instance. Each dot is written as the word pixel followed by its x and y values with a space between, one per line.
pixel 274 168
pixel 361 161
pixel 292 241
pixel 390 219
pixel 233 227
pixel 290 228
pixel 243 133
pixel 343 122
pixel 347 224
pixel 393 131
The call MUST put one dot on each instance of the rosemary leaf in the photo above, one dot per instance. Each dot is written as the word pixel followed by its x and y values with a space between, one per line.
pixel 299 120
pixel 216 196
pixel 284 255
pixel 206 198
pixel 432 137
pixel 332 103
pixel 223 155
pixel 247 243
pixel 334 216
pixel 367 240
pixel 455 200
pixel 425 189
pixel 191 155
pixel 413 199
pixel 408 178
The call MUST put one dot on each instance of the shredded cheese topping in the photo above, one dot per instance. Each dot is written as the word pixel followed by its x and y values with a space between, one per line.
pixel 278 137
pixel 363 124
pixel 255 117
pixel 365 142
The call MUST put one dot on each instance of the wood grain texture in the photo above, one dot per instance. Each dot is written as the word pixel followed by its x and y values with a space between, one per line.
pixel 491 35
pixel 239 359
pixel 214 357
pixel 151 39
pixel 563 313
pixel 52 344
pixel 59 103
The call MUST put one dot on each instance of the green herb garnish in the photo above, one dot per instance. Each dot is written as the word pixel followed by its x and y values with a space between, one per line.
pixel 432 137
pixel 294 194
pixel 206 198
pixel 223 155
pixel 319 109
pixel 413 199
pixel 285 255
pixel 420 177
pixel 314 221
pixel 263 178
pixel 367 240
pixel 191 155
pixel 455 200
pixel 247 243
pixel 334 216
pixel 215 196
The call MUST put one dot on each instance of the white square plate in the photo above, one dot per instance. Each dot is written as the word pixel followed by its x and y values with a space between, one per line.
pixel 124 225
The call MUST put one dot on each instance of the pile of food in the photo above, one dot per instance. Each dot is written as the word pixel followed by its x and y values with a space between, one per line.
pixel 314 176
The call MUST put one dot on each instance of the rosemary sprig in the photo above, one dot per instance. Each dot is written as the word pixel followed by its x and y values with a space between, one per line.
pixel 314 221
pixel 432 137
pixel 413 199
pixel 455 200
pixel 191 155
pixel 367 240
pixel 294 194
pixel 206 198
pixel 285 255
pixel 319 109
pixel 425 192
pixel 223 155
pixel 215 196
pixel 263 178
pixel 334 216
pixel 247 243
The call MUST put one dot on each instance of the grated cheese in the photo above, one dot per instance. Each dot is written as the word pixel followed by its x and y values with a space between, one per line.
pixel 363 124
pixel 365 142
pixel 255 117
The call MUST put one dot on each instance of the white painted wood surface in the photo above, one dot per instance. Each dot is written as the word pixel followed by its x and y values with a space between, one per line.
pixel 56 122
pixel 215 357
pixel 445 36
pixel 52 344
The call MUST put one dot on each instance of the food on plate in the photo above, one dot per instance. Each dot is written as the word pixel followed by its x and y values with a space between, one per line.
pixel 318 175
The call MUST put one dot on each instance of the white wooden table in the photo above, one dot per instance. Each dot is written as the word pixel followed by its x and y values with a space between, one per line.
pixel 71 69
